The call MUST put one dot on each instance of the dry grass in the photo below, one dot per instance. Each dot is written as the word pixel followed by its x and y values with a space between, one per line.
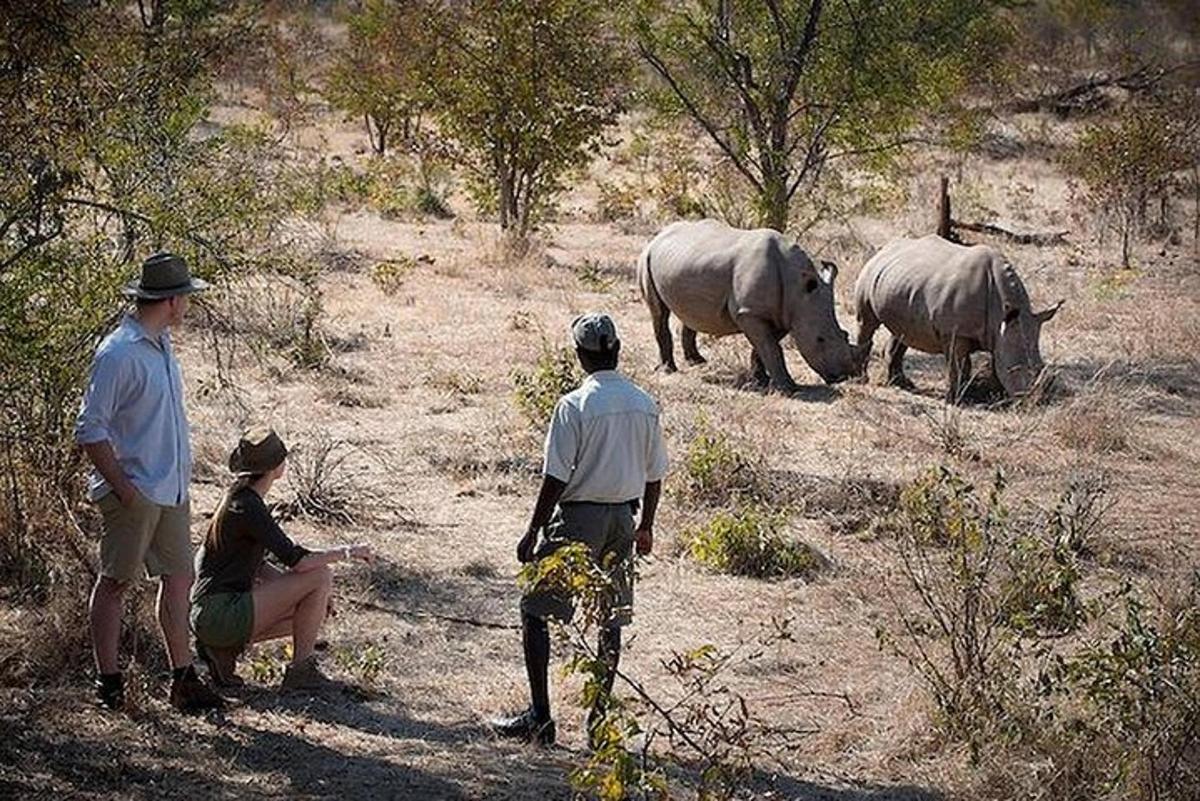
pixel 423 409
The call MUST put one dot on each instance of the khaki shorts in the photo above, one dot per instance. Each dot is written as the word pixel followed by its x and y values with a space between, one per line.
pixel 145 534
pixel 607 530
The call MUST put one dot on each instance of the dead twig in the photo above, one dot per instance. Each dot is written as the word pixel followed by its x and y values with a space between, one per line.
pixel 421 614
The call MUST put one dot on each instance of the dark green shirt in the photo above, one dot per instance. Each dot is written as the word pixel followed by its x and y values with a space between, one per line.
pixel 247 532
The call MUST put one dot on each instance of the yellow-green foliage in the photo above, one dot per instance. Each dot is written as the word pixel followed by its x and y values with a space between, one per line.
pixel 366 662
pixel 389 275
pixel 749 541
pixel 716 469
pixel 618 201
pixel 268 662
pixel 571 572
pixel 536 392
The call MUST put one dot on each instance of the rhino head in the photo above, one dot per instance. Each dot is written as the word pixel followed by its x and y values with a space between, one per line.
pixel 1017 356
pixel 813 325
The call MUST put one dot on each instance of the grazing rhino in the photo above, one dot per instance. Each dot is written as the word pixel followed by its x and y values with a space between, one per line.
pixel 723 280
pixel 939 297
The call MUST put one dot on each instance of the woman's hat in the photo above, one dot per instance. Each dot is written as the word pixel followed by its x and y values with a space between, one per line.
pixel 259 451
pixel 164 275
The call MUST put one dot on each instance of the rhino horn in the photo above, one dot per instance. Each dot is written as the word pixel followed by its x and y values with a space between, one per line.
pixel 1045 316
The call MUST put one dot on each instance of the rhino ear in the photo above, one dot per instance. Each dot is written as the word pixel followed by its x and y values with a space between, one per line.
pixel 829 271
pixel 1045 316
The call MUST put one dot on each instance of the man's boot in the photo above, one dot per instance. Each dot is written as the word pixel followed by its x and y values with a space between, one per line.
pixel 534 724
pixel 526 726
pixel 110 690
pixel 190 694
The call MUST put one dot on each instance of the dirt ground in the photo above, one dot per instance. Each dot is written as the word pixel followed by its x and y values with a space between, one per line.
pixel 418 397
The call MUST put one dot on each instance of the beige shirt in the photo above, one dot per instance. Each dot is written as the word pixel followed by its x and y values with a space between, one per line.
pixel 605 441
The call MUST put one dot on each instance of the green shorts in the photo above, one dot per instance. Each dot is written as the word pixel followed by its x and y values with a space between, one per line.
pixel 608 532
pixel 223 619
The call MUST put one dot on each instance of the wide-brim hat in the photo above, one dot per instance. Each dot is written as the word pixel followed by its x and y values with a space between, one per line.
pixel 164 275
pixel 260 450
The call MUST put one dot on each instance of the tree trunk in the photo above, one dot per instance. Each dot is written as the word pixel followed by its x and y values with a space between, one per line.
pixel 376 134
pixel 774 203
pixel 1196 215
pixel 505 174
pixel 944 222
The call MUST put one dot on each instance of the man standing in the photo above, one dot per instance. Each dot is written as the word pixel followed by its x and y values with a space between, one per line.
pixel 604 452
pixel 134 430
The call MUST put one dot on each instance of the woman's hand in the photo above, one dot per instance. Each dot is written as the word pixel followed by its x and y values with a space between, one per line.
pixel 361 552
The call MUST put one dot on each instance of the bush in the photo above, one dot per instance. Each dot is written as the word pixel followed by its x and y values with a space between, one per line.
pixel 536 393
pixel 389 275
pixel 1142 692
pixel 717 469
pixel 323 489
pixel 1125 164
pixel 748 541
pixel 618 201
pixel 953 620
pixel 1102 418
pixel 1117 716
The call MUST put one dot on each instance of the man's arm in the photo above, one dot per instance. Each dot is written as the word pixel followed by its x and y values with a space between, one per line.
pixel 551 491
pixel 102 456
pixel 645 529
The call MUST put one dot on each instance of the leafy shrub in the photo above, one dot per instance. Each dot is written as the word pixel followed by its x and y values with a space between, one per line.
pixel 1142 691
pixel 618 201
pixel 389 275
pixel 717 469
pixel 748 541
pixel 555 373
pixel 953 628
pixel 1116 717
pixel 366 662
pixel 1125 163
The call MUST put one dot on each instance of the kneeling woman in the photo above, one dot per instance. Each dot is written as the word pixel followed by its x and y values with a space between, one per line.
pixel 238 598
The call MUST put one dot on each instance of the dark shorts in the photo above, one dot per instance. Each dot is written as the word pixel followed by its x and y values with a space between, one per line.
pixel 223 619
pixel 608 532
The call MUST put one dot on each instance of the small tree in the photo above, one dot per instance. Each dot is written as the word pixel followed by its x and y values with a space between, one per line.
pixel 378 74
pixel 1125 163
pixel 527 91
pixel 786 88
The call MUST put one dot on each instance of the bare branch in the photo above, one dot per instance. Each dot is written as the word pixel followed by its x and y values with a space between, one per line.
pixel 665 73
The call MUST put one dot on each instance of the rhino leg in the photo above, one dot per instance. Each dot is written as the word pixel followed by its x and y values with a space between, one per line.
pixel 690 353
pixel 758 370
pixel 661 317
pixel 868 324
pixel 765 342
pixel 895 364
pixel 958 368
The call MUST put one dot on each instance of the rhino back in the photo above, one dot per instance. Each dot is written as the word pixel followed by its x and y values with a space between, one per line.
pixel 929 291
pixel 702 270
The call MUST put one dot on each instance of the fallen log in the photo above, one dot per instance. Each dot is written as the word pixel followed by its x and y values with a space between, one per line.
pixel 1041 238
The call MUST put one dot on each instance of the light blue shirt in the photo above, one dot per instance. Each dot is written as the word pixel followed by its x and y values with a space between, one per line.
pixel 605 441
pixel 134 399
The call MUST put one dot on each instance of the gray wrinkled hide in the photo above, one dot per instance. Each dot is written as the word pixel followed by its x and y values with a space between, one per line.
pixel 723 280
pixel 940 297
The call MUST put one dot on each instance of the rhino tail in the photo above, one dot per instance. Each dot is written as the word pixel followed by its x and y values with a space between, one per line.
pixel 654 301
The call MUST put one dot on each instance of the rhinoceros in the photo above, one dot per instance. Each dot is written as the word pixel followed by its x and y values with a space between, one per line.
pixel 723 280
pixel 940 297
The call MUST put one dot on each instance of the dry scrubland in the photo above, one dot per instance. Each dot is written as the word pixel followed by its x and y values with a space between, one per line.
pixel 439 468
